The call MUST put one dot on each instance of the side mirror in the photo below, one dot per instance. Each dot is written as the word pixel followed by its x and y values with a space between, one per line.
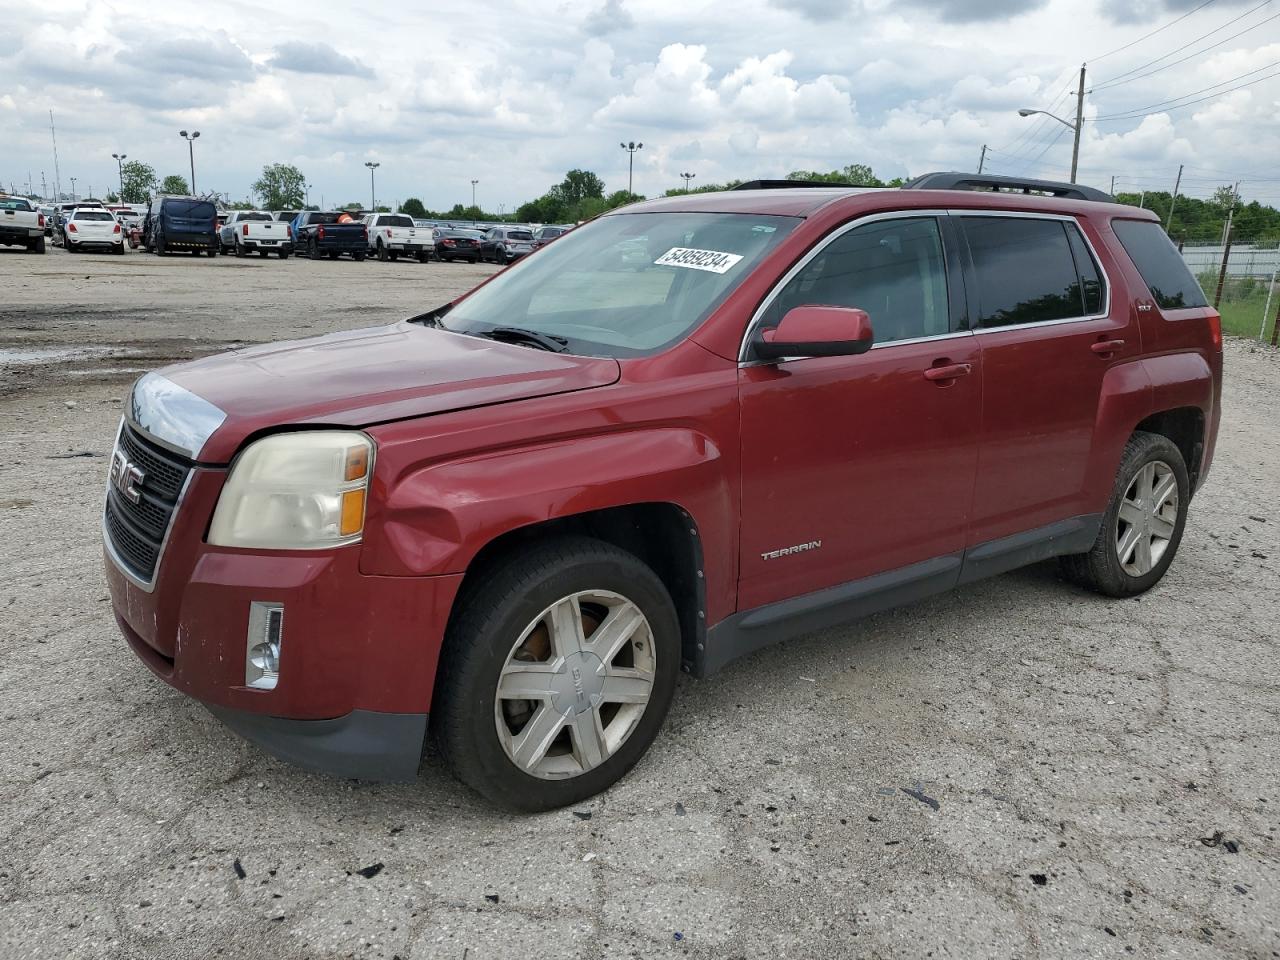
pixel 817 331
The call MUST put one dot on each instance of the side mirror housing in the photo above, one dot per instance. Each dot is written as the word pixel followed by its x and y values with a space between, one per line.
pixel 817 331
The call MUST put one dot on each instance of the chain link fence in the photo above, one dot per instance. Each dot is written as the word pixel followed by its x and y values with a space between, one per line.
pixel 1243 279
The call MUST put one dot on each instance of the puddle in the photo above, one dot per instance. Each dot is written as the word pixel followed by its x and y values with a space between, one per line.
pixel 14 358
pixel 105 371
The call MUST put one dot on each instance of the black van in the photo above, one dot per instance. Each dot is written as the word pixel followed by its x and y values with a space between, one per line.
pixel 181 223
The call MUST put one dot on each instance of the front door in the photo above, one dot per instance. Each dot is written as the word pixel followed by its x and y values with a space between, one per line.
pixel 853 466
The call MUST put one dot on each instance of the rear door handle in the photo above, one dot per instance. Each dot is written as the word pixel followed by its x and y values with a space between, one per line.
pixel 948 371
pixel 1107 346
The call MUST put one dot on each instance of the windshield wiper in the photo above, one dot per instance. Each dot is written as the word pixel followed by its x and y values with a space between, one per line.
pixel 529 338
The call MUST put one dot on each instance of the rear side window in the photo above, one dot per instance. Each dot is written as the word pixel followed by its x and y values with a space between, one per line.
pixel 1162 267
pixel 1025 270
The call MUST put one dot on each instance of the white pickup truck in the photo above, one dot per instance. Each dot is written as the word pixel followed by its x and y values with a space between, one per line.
pixel 248 230
pixel 21 224
pixel 391 234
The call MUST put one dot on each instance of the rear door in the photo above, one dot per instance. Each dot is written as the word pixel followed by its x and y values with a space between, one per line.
pixel 853 466
pixel 1049 329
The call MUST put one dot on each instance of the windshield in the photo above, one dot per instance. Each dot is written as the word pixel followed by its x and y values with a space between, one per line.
pixel 625 285
pixel 194 209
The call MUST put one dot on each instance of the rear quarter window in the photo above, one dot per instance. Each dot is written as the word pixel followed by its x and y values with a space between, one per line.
pixel 1162 268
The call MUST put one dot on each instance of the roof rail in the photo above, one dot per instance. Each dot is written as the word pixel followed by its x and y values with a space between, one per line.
pixel 980 181
pixel 784 184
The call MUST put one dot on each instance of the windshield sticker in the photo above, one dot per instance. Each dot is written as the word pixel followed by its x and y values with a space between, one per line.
pixel 713 261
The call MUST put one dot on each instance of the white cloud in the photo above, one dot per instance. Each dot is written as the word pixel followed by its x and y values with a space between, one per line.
pixel 449 92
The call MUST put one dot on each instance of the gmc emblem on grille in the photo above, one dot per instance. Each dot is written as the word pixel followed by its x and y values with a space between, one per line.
pixel 125 477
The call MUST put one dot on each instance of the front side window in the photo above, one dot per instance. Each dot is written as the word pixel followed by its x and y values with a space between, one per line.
pixel 1025 271
pixel 1163 270
pixel 892 269
pixel 624 285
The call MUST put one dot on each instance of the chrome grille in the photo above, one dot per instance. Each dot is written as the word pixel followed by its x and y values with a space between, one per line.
pixel 136 531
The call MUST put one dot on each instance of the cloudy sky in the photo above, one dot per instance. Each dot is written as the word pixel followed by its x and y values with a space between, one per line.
pixel 514 92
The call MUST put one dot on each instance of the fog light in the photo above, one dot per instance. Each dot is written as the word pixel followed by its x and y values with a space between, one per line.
pixel 262 655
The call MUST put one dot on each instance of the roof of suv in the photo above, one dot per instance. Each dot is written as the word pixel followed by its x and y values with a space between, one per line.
pixel 806 202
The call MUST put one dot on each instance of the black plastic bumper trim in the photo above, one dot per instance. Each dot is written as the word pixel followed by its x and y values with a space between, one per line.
pixel 363 744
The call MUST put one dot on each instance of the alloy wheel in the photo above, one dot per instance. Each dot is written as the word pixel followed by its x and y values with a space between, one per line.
pixel 575 684
pixel 1147 518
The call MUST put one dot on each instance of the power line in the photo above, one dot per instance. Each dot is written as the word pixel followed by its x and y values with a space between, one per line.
pixel 1147 36
pixel 1190 56
pixel 1138 112
pixel 1119 78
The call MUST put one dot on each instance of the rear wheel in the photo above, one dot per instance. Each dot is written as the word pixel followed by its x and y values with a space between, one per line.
pixel 264 253
pixel 118 249
pixel 239 249
pixel 333 254
pixel 382 252
pixel 1143 524
pixel 394 255
pixel 210 252
pixel 313 249
pixel 423 257
pixel 357 257
pixel 557 674
pixel 36 245
pixel 284 254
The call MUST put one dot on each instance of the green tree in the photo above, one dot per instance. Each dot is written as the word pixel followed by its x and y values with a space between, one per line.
pixel 139 180
pixel 174 183
pixel 414 208
pixel 856 174
pixel 281 187
pixel 112 197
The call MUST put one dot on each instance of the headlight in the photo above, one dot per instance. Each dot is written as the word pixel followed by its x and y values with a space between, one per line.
pixel 296 491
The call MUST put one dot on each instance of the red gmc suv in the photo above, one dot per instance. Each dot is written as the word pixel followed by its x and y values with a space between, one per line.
pixel 684 431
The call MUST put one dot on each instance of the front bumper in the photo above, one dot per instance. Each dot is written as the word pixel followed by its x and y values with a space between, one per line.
pixel 364 744
pixel 351 644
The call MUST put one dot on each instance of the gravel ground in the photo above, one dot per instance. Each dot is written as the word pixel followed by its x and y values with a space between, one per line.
pixel 1018 770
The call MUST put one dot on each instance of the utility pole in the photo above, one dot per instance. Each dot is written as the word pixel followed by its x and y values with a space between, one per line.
pixel 1113 185
pixel 1235 198
pixel 373 199
pixel 631 147
pixel 44 187
pixel 982 158
pixel 191 152
pixel 1176 184
pixel 57 177
pixel 1075 149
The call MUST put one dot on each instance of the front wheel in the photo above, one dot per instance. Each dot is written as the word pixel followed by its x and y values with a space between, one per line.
pixel 1143 524
pixel 557 674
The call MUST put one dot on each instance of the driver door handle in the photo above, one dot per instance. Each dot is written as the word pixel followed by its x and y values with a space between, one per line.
pixel 948 371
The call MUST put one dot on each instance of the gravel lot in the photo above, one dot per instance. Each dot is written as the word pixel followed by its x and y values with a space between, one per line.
pixel 1021 770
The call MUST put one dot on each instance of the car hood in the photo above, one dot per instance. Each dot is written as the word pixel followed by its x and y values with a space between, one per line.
pixel 356 378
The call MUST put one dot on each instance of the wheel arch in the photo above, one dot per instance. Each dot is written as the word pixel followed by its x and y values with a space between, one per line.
pixel 1184 426
pixel 661 534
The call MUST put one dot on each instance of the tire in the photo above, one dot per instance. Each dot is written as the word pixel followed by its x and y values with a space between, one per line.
pixel 382 252
pixel 161 250
pixel 118 249
pixel 284 254
pixel 394 255
pixel 210 252
pixel 37 246
pixel 334 254
pixel 358 257
pixel 313 249
pixel 238 249
pixel 423 257
pixel 264 254
pixel 473 260
pixel 1103 569
pixel 513 600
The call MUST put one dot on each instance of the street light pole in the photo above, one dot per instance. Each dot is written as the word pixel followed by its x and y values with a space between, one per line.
pixel 373 197
pixel 120 158
pixel 191 152
pixel 73 189
pixel 686 177
pixel 1075 128
pixel 631 147
pixel 473 193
